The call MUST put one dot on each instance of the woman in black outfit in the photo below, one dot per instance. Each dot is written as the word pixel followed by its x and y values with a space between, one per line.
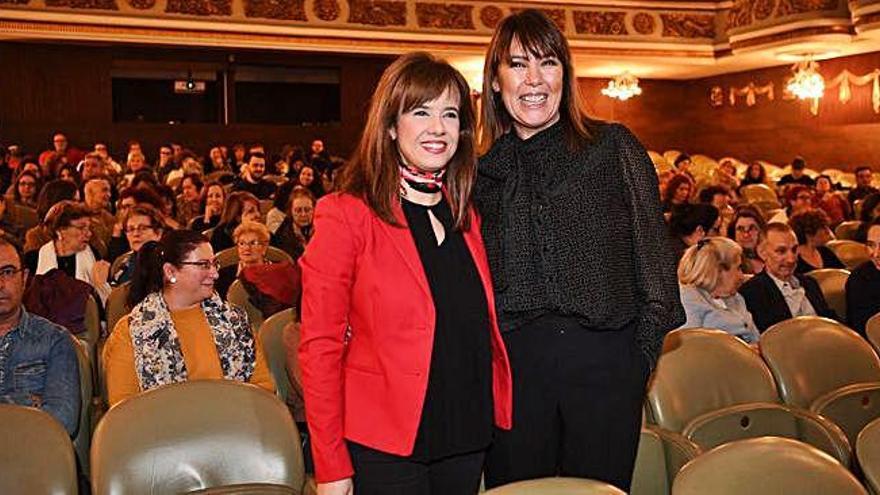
pixel 586 284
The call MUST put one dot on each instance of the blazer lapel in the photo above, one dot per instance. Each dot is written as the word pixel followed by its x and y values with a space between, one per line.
pixel 402 240
pixel 776 299
pixel 474 242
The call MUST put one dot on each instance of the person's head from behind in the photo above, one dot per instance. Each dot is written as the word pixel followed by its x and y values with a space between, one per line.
pixel 252 241
pixel 678 190
pixel 797 167
pixel 717 196
pixel 683 162
pixel 746 226
pixel 692 222
pixel 241 206
pixel 97 192
pixel 811 227
pixel 302 207
pixel 420 119
pixel 181 266
pixel 714 265
pixel 777 247
pixel 864 176
pixel 256 166
pixel 873 242
pixel 69 223
pixel 53 192
pixel 141 224
pixel 13 279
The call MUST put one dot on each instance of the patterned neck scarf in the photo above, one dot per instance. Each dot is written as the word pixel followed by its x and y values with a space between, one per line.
pixel 426 182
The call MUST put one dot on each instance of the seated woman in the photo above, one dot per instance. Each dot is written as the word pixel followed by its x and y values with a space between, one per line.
pixel 188 200
pixel 179 329
pixel 294 233
pixel 52 193
pixel 141 224
pixel 311 180
pixel 69 224
pixel 834 205
pixel 678 191
pixel 709 276
pixel 280 206
pixel 27 186
pixel 212 200
pixel 690 223
pixel 745 227
pixel 241 206
pixel 863 285
pixel 251 241
pixel 813 232
pixel 755 174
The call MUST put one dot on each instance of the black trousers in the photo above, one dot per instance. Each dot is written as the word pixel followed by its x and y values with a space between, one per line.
pixel 378 473
pixel 577 404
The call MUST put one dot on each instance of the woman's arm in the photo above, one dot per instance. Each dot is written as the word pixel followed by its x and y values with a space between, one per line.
pixel 118 355
pixel 328 271
pixel 261 376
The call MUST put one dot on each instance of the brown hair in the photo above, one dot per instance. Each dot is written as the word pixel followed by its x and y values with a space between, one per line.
pixel 234 207
pixel 63 214
pixel 373 173
pixel 539 36
pixel 157 219
pixel 808 223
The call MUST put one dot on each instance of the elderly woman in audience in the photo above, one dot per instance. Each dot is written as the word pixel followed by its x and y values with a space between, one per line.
pixel 251 241
pixel 141 224
pixel 69 224
pixel 27 186
pixel 241 206
pixel 755 174
pixel 678 192
pixel 745 228
pixel 10 230
pixel 188 201
pixel 812 231
pixel 863 284
pixel 212 202
pixel 178 328
pixel 834 205
pixel 709 275
pixel 295 232
pixel 691 222
pixel 54 192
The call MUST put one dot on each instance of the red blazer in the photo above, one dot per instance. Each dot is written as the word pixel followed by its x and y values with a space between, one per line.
pixel 368 331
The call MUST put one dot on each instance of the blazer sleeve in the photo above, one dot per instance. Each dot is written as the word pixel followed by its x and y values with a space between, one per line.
pixel 328 274
pixel 817 299
pixel 661 309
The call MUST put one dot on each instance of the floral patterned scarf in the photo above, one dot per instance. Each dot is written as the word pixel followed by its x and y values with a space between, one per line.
pixel 157 355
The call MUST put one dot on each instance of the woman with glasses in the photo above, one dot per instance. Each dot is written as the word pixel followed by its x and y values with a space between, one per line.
pixel 709 276
pixel 141 224
pixel 744 229
pixel 296 230
pixel 251 242
pixel 27 186
pixel 179 329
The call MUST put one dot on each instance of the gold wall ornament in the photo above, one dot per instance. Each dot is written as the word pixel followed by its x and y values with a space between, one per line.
pixel 846 78
pixel 716 96
pixel 751 92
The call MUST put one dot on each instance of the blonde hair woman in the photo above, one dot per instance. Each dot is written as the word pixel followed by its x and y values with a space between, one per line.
pixel 709 275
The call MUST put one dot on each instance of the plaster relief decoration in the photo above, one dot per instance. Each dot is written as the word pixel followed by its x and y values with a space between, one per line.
pixel 142 4
pixel 84 4
pixel 740 14
pixel 600 23
pixel 326 10
pixel 555 15
pixel 490 16
pixel 644 23
pixel 763 9
pixel 688 25
pixel 847 78
pixel 200 7
pixel 444 16
pixel 377 12
pixel 790 7
pixel 293 10
pixel 751 91
pixel 14 2
pixel 716 97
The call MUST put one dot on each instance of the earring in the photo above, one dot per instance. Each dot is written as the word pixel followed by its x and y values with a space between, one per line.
pixel 173 279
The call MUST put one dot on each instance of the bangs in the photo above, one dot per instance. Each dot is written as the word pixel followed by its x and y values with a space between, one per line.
pixel 535 33
pixel 428 82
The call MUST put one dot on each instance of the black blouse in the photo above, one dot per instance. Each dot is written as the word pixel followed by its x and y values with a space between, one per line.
pixel 829 260
pixel 457 413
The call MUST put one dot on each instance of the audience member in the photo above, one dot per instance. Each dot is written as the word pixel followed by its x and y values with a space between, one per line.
pixel 755 174
pixel 53 193
pixel 863 284
pixel 709 275
pixel 27 186
pixel 799 199
pixel 11 230
pixel 864 176
pixel 778 293
pixel 276 215
pixel 142 224
pixel 745 228
pixel 94 165
pixel 38 362
pixel 296 230
pixel 68 172
pixel 309 178
pixel 725 175
pixel 870 210
pixel 212 202
pixel 797 175
pixel 166 162
pixel 178 328
pixel 833 204
pixel 240 207
pixel 251 243
pixel 251 179
pixel 683 165
pixel 691 222
pixel 60 147
pixel 813 233
pixel 189 199
pixel 108 161
pixel 678 192
pixel 719 197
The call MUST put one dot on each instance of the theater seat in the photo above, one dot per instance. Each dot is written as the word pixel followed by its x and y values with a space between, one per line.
pixel 766 466
pixel 832 282
pixel 754 193
pixel 239 296
pixel 82 441
pixel 276 355
pixel 556 486
pixel 868 452
pixel 872 328
pixel 36 455
pixel 193 436
pixel 713 388
pixel 851 253
pixel 661 455
pixel 117 307
pixel 846 231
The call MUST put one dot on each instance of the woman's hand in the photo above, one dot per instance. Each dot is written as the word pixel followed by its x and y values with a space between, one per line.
pixel 338 487
pixel 100 272
pixel 210 212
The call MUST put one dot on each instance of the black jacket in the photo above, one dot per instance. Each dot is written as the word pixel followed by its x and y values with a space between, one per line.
pixel 578 233
pixel 767 304
pixel 862 295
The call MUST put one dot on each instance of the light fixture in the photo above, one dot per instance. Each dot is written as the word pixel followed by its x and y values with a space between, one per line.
pixel 806 83
pixel 622 87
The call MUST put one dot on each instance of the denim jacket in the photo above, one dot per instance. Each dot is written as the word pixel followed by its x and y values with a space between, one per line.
pixel 39 368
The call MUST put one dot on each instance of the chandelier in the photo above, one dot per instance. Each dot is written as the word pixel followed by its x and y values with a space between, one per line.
pixel 623 87
pixel 806 83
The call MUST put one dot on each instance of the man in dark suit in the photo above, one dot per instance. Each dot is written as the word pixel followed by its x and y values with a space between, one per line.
pixel 777 293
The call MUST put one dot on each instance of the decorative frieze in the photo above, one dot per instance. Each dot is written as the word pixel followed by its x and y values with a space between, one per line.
pixel 688 25
pixel 600 23
pixel 203 8
pixel 444 16
pixel 377 12
pixel 293 10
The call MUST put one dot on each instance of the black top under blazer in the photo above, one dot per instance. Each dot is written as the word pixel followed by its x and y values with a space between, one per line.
pixel 767 304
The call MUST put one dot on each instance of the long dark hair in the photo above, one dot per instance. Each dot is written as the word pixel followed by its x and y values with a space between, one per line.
pixel 373 172
pixel 149 276
pixel 541 37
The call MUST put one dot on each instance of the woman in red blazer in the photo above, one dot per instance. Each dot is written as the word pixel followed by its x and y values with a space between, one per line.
pixel 403 367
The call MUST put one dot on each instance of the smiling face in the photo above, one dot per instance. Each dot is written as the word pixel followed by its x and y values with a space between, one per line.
pixel 746 232
pixel 215 197
pixel 139 229
pixel 531 89
pixel 196 276
pixel 306 176
pixel 779 252
pixel 427 135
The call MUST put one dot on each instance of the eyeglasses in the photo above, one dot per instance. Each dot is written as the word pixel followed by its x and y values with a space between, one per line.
pixel 7 273
pixel 203 264
pixel 254 243
pixel 81 228
pixel 744 230
pixel 27 184
pixel 305 209
pixel 138 229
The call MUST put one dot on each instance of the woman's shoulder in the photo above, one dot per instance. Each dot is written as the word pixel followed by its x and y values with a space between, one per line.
pixel 348 204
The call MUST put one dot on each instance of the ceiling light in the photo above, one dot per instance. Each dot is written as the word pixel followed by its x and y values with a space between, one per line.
pixel 623 87
pixel 806 83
